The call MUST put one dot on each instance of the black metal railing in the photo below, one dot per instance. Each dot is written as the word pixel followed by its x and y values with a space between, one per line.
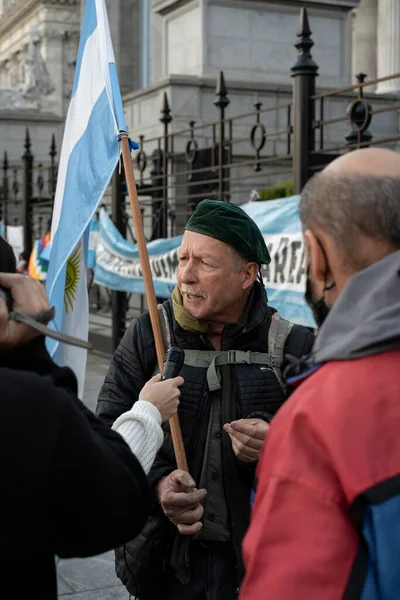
pixel 359 115
pixel 27 192
pixel 264 152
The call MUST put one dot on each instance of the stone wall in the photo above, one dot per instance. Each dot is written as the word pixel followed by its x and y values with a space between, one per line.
pixel 57 24
pixel 13 125
pixel 192 99
pixel 125 25
pixel 249 41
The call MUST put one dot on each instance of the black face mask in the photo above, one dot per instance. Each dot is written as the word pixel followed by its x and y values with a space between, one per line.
pixel 319 308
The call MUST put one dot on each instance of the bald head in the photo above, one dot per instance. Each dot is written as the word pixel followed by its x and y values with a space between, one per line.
pixel 369 162
pixel 355 200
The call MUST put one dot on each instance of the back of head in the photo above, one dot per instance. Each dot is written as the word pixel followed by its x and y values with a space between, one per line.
pixel 355 201
pixel 8 263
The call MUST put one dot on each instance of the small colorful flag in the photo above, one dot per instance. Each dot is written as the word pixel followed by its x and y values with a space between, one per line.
pixel 37 267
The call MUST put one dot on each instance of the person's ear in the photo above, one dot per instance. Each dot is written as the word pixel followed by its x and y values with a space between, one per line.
pixel 250 273
pixel 316 258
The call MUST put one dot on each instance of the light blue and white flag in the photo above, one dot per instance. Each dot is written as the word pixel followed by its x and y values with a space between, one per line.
pixel 89 155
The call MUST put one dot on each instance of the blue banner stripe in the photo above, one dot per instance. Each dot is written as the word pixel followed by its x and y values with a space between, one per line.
pixel 268 215
pixel 88 26
pixel 291 305
pixel 274 218
pixel 131 285
pixel 121 247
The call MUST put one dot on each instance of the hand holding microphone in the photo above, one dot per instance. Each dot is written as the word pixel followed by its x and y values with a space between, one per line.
pixel 163 391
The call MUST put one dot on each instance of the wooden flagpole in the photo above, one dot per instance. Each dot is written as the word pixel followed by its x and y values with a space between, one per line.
pixel 176 433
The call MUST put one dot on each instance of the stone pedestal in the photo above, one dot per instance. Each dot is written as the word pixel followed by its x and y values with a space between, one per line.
pixel 250 41
pixel 388 44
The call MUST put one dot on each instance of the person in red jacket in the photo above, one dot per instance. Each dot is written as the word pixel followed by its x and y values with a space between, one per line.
pixel 326 515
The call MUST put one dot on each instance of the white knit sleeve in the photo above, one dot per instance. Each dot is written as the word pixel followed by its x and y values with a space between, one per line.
pixel 141 429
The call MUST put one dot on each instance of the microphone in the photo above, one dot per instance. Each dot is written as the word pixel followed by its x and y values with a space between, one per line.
pixel 173 363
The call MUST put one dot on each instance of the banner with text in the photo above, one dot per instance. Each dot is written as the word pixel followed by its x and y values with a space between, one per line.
pixel 118 265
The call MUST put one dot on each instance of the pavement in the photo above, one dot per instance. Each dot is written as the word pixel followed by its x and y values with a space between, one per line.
pixel 91 578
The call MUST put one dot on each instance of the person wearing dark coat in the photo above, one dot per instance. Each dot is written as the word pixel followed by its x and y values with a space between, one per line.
pixel 190 548
pixel 70 486
pixel 8 263
pixel 326 517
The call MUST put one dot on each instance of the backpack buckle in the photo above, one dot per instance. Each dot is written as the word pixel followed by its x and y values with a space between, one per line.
pixel 276 360
pixel 244 358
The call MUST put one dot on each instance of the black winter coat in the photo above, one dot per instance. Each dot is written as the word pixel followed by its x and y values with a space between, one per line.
pixel 247 391
pixel 69 485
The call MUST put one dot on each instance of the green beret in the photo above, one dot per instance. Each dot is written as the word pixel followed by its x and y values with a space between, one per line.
pixel 230 224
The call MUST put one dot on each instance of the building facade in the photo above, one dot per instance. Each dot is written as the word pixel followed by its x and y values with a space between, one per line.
pixel 178 47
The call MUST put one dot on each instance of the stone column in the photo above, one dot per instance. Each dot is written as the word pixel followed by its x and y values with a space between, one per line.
pixel 388 44
pixel 364 59
pixel 156 46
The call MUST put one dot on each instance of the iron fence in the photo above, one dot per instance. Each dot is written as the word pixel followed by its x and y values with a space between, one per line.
pixel 27 193
pixel 267 152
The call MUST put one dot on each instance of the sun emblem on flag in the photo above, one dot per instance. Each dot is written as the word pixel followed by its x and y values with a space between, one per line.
pixel 72 278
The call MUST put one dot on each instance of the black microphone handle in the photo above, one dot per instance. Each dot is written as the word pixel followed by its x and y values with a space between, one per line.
pixel 173 364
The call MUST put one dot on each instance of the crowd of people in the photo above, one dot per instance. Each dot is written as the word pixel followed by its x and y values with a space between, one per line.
pixel 293 483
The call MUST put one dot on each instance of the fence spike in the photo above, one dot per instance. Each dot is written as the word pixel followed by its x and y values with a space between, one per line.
pixel 221 92
pixel 53 147
pixel 5 161
pixel 303 29
pixel 165 110
pixel 304 63
pixel 27 144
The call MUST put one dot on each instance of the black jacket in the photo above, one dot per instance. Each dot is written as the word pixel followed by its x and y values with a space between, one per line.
pixel 247 391
pixel 69 485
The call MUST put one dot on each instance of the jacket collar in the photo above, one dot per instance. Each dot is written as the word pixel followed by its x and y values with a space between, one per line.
pixel 253 316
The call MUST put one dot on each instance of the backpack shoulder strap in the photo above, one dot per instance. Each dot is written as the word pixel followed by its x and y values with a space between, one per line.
pixel 278 333
pixel 211 359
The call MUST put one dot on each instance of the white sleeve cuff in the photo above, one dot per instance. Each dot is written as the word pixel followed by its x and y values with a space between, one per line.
pixel 141 429
pixel 147 410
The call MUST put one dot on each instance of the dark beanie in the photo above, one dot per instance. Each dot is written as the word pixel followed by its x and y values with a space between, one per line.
pixel 230 224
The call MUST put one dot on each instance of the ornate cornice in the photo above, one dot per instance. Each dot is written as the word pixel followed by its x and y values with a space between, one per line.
pixel 166 6
pixel 15 13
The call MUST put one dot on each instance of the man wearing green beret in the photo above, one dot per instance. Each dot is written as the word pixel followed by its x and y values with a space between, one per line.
pixel 235 347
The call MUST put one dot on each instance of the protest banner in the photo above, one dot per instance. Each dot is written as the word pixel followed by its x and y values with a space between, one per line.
pixel 118 265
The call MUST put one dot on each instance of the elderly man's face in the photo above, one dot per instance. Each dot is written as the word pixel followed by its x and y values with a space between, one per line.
pixel 212 286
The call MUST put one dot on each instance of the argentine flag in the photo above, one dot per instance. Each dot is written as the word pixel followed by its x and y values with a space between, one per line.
pixel 90 152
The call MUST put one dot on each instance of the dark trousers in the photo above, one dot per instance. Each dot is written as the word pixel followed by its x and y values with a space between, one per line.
pixel 213 575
